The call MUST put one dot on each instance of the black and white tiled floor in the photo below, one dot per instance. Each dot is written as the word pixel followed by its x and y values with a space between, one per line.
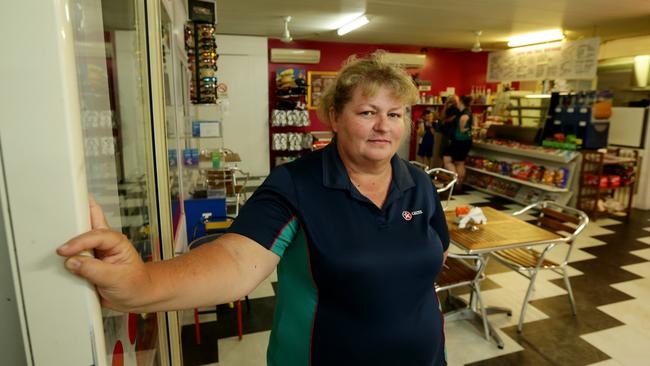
pixel 610 276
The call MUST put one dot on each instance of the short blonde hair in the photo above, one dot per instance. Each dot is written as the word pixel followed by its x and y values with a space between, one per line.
pixel 370 74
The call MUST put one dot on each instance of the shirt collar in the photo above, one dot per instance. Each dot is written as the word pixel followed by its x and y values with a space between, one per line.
pixel 336 176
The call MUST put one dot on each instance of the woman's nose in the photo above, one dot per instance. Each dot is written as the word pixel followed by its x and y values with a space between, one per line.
pixel 382 122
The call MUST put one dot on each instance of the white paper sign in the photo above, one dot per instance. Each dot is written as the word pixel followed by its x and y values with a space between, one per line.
pixel 558 60
pixel 210 129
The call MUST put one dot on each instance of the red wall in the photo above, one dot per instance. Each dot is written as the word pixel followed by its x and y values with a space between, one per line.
pixel 443 67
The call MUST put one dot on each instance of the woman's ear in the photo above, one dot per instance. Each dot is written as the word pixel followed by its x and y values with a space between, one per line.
pixel 333 120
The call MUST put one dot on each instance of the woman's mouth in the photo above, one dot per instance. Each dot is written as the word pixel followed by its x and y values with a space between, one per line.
pixel 379 141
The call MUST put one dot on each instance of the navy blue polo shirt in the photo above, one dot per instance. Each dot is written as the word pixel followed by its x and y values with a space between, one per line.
pixel 355 282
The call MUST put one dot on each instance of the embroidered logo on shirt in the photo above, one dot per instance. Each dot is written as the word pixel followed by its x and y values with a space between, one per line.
pixel 409 215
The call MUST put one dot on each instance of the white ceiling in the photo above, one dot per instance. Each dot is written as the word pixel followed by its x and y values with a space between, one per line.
pixel 435 23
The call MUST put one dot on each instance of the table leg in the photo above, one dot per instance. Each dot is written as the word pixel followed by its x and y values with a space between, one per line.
pixel 466 313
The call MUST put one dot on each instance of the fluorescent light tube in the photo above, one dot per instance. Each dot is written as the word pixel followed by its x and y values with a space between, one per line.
pixel 540 96
pixel 539 37
pixel 357 23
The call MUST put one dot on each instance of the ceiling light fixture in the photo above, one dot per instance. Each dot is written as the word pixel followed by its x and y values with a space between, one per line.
pixel 357 23
pixel 538 37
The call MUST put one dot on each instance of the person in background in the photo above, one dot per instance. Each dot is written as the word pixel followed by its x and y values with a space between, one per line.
pixel 357 234
pixel 446 127
pixel 425 132
pixel 460 141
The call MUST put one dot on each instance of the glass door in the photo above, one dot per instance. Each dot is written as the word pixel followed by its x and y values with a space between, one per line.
pixel 91 118
pixel 138 37
pixel 131 339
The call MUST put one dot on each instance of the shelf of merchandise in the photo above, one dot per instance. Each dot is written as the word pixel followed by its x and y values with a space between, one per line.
pixel 485 190
pixel 544 187
pixel 555 155
pixel 593 163
pixel 519 107
pixel 550 158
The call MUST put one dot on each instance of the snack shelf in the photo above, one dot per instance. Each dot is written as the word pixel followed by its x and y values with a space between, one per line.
pixel 598 165
pixel 560 156
pixel 527 191
pixel 544 187
pixel 485 190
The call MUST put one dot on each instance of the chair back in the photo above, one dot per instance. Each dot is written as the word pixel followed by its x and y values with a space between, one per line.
pixel 203 240
pixel 424 167
pixel 457 271
pixel 560 219
pixel 232 181
pixel 444 180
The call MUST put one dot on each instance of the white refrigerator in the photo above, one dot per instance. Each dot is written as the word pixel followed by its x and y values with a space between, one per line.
pixel 64 132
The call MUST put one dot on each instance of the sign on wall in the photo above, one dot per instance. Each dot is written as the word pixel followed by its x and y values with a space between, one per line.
pixel 318 82
pixel 558 60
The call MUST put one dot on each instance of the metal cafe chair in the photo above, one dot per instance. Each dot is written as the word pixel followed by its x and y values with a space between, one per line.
pixel 460 269
pixel 424 167
pixel 231 181
pixel 465 270
pixel 565 221
pixel 444 180
pixel 214 230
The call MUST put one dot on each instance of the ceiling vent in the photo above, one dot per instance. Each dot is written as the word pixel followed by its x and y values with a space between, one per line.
pixel 408 60
pixel 294 56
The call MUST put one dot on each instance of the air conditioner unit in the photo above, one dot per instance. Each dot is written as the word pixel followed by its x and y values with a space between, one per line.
pixel 408 60
pixel 294 56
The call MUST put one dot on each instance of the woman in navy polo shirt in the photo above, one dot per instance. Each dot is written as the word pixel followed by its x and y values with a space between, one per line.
pixel 357 234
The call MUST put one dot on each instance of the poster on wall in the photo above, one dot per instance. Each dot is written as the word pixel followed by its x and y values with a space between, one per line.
pixel 558 60
pixel 318 82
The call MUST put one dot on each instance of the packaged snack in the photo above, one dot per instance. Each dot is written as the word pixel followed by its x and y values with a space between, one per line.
pixel 604 182
pixel 536 174
pixel 560 178
pixel 488 165
pixel 504 168
pixel 522 170
pixel 614 181
pixel 547 177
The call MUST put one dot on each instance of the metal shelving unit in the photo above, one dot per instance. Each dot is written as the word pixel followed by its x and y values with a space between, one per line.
pixel 518 190
pixel 594 165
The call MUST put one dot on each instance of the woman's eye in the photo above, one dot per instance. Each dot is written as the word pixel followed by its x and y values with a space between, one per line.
pixel 394 115
pixel 367 113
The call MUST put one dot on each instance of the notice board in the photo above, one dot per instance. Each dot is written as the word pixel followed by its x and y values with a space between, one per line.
pixel 558 60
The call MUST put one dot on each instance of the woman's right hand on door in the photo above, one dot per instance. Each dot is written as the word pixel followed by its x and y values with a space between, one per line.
pixel 117 270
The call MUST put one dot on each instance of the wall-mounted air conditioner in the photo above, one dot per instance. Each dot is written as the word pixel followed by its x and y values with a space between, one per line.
pixel 294 56
pixel 408 60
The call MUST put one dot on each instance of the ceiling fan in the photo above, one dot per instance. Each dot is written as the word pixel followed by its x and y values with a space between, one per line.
pixel 286 36
pixel 476 47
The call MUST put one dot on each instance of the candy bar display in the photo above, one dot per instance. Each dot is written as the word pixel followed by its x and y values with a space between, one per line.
pixel 523 170
pixel 202 56
pixel 550 152
pixel 493 184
